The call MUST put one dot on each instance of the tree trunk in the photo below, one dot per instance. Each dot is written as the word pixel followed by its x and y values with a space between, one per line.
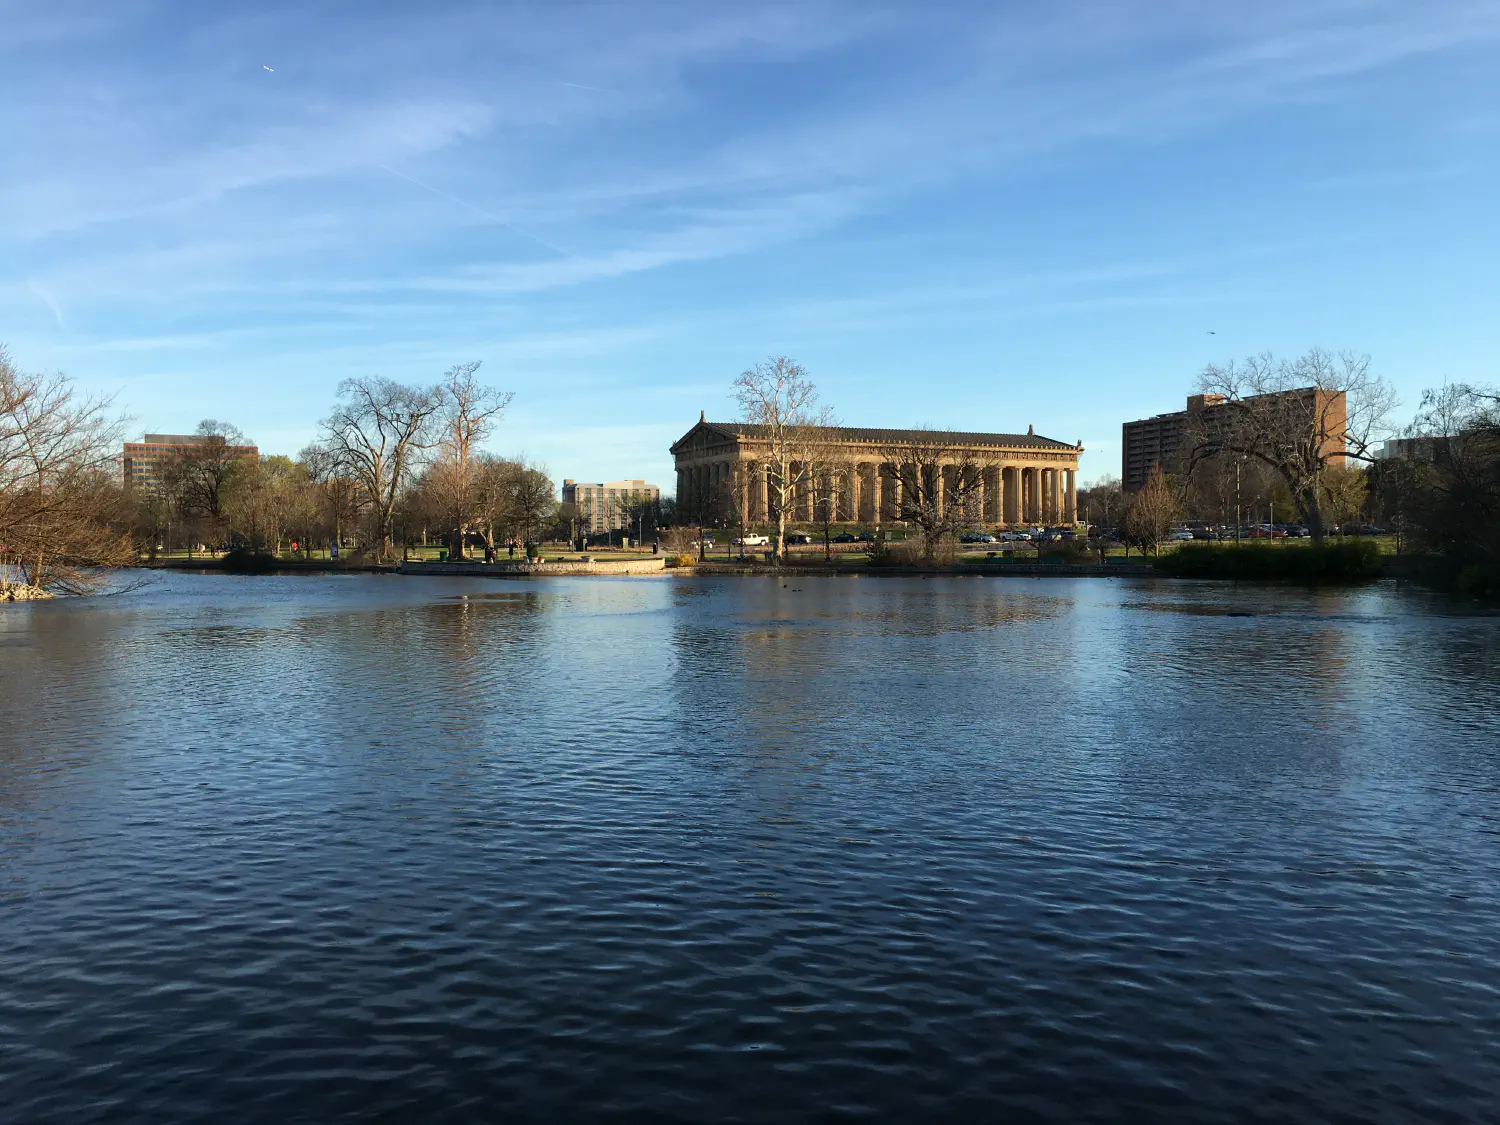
pixel 780 551
pixel 1314 514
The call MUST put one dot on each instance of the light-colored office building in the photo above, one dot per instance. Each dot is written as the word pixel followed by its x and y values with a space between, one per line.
pixel 607 505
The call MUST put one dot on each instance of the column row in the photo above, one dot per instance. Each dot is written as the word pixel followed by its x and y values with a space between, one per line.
pixel 872 492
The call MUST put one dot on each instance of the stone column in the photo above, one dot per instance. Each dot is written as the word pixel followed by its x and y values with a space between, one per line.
pixel 856 491
pixel 877 497
pixel 1072 504
pixel 682 489
pixel 982 495
pixel 939 489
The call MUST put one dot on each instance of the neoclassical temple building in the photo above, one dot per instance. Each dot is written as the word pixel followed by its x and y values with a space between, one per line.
pixel 1025 478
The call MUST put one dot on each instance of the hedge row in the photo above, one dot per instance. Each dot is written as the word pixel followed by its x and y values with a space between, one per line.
pixel 1351 560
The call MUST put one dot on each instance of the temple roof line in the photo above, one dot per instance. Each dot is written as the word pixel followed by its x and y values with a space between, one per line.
pixel 858 435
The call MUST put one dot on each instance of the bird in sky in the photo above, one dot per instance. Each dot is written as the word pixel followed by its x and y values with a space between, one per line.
pixel 263 66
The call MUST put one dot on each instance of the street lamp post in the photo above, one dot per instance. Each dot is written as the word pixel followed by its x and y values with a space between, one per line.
pixel 1238 515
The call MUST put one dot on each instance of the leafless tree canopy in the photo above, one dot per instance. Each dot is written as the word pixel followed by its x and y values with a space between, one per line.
pixel 376 433
pixel 196 477
pixel 1103 502
pixel 1451 496
pixel 61 510
pixel 778 395
pixel 1151 512
pixel 1297 417
pixel 470 412
pixel 941 490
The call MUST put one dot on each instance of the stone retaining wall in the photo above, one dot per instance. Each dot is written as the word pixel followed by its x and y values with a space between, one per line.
pixel 984 570
pixel 537 570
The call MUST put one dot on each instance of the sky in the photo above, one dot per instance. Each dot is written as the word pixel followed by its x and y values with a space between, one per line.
pixel 978 216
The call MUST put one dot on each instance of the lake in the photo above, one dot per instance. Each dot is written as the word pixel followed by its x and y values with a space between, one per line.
pixel 301 848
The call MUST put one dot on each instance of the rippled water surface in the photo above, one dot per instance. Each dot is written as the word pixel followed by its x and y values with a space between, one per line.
pixel 306 849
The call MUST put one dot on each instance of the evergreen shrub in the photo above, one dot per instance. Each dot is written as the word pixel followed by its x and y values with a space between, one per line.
pixel 1351 560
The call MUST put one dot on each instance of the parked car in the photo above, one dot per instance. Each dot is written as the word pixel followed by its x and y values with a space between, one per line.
pixel 1297 531
pixel 1180 535
pixel 798 540
pixel 865 537
pixel 753 541
pixel 845 537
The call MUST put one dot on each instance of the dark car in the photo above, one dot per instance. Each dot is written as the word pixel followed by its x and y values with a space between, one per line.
pixel 864 537
pixel 845 538
pixel 798 540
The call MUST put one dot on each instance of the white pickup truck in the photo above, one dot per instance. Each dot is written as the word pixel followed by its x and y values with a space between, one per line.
pixel 753 541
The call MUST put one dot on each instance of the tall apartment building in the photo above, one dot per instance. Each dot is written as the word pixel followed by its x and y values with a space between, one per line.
pixel 1161 440
pixel 142 461
pixel 604 506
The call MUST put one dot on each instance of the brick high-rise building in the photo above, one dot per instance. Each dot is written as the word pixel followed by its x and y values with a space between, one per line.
pixel 142 461
pixel 1162 440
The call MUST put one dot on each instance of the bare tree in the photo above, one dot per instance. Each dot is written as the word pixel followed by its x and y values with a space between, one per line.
pixel 470 413
pixel 61 512
pixel 1454 496
pixel 337 490
pixel 940 489
pixel 376 433
pixel 831 483
pixel 492 487
pixel 197 476
pixel 1297 417
pixel 1343 492
pixel 1103 502
pixel 531 503
pixel 639 512
pixel 779 398
pixel 1152 509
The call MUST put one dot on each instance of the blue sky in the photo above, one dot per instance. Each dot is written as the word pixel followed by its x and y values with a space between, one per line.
pixel 984 216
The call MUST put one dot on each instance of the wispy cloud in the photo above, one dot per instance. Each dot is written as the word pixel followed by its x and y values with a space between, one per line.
pixel 546 182
pixel 47 299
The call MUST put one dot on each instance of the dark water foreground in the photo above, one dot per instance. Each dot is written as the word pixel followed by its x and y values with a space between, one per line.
pixel 393 849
